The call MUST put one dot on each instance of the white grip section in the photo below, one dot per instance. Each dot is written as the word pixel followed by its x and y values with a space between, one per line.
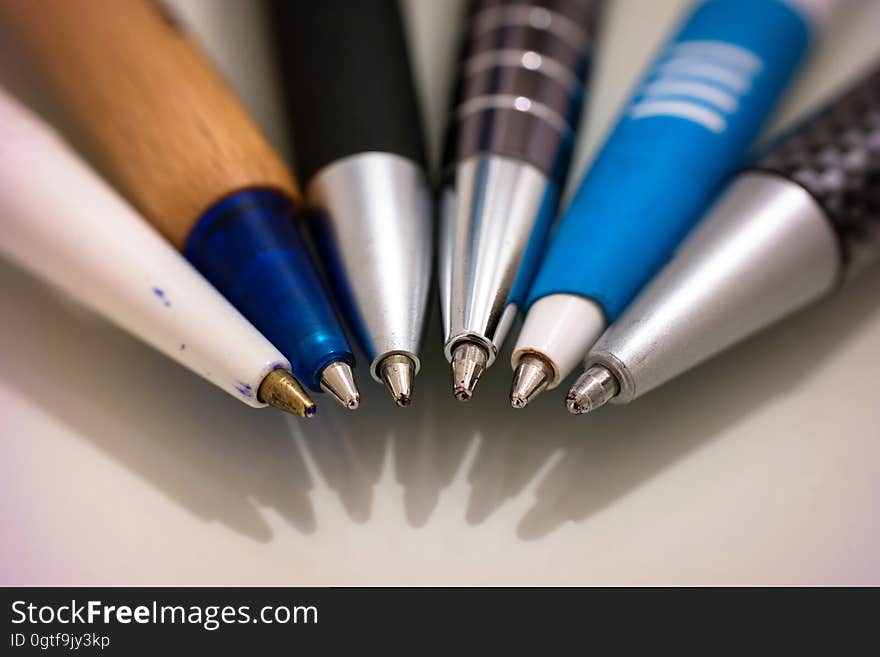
pixel 64 223
pixel 561 328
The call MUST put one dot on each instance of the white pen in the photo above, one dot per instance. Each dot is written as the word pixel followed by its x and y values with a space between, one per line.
pixel 64 223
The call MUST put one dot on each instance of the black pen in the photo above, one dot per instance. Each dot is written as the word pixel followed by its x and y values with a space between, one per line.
pixel 358 148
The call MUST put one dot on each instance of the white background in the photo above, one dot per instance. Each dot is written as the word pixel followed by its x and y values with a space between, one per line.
pixel 762 466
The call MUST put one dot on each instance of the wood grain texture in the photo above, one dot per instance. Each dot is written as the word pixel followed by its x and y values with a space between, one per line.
pixel 163 124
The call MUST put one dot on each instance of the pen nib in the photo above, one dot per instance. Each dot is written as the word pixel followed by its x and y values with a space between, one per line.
pixel 530 379
pixel 337 380
pixel 281 390
pixel 398 372
pixel 593 388
pixel 468 364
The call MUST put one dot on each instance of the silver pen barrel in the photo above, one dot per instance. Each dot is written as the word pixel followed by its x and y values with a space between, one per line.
pixel 518 101
pixel 376 234
pixel 358 146
pixel 784 234
pixel 764 250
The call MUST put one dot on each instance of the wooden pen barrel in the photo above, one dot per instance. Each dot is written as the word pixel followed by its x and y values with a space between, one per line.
pixel 163 124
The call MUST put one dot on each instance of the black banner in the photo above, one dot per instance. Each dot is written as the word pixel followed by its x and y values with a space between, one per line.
pixel 134 621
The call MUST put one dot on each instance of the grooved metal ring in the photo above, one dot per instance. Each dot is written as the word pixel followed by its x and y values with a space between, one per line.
pixel 520 59
pixel 517 103
pixel 536 17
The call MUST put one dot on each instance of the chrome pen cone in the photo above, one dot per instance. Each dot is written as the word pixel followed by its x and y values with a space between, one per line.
pixel 594 388
pixel 337 380
pixel 531 377
pixel 398 372
pixel 468 364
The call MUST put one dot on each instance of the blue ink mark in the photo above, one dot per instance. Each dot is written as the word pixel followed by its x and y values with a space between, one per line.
pixel 183 346
pixel 244 389
pixel 160 294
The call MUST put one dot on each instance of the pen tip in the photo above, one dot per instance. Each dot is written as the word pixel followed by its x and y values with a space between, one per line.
pixel 468 364
pixel 574 406
pixel 281 390
pixel 398 372
pixel 337 380
pixel 592 389
pixel 531 377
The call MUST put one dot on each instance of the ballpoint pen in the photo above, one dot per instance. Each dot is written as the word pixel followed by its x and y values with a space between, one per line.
pixel 174 139
pixel 785 232
pixel 65 224
pixel 688 124
pixel 359 152
pixel 521 86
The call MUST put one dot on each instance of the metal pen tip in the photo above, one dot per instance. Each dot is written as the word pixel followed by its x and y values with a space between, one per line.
pixel 468 364
pixel 531 377
pixel 594 388
pixel 398 372
pixel 281 390
pixel 337 380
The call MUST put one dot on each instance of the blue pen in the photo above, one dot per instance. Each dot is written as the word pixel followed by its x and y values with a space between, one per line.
pixel 688 125
pixel 248 245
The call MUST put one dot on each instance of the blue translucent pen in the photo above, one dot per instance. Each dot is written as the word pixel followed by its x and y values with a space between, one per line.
pixel 688 125
pixel 249 247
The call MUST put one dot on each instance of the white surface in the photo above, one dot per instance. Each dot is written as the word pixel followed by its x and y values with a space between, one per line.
pixel 67 225
pixel 562 328
pixel 762 466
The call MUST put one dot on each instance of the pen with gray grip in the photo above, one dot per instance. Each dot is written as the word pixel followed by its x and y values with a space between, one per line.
pixel 786 232
pixel 520 90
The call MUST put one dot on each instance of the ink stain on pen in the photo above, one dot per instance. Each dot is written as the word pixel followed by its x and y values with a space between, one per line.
pixel 160 294
pixel 244 389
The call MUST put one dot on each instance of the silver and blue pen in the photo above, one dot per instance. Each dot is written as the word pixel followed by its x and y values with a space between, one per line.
pixel 786 232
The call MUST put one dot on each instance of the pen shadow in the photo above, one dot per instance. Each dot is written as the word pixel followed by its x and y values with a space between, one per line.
pixel 422 445
pixel 225 462
pixel 347 449
pixel 618 449
pixel 215 457
pixel 431 441
pixel 577 466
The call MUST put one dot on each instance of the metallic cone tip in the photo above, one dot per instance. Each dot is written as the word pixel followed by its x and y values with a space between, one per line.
pixel 337 380
pixel 533 374
pixel 398 372
pixel 468 364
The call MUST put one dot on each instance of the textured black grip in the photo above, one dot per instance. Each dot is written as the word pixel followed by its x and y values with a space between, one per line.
pixel 835 155
pixel 347 81
pixel 521 81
